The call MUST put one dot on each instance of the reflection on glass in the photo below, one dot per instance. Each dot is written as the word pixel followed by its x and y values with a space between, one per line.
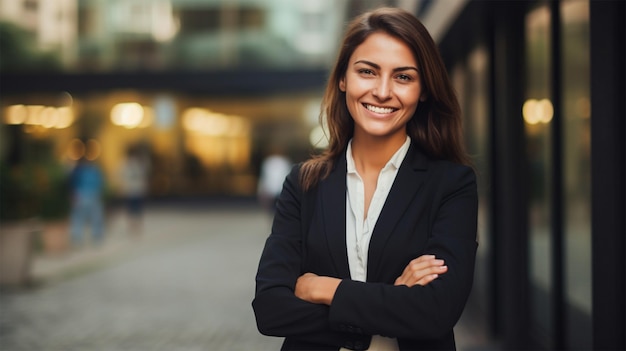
pixel 577 171
pixel 538 126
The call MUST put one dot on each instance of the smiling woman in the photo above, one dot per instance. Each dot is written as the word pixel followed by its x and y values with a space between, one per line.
pixel 382 89
pixel 374 241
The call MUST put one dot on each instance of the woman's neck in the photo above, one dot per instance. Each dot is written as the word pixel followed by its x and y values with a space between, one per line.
pixel 372 154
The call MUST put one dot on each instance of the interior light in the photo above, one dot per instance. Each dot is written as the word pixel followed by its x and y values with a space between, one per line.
pixel 538 111
pixel 66 117
pixel 34 114
pixel 192 119
pixel 49 117
pixel 127 114
pixel 546 110
pixel 15 114
pixel 217 125
pixel 203 121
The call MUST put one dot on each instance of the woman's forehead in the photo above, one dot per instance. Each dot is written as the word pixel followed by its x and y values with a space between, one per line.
pixel 384 49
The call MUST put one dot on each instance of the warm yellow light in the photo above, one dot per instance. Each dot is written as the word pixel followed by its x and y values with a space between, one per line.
pixel 193 118
pixel 546 110
pixel 34 114
pixel 39 115
pixel 127 114
pixel 16 114
pixel 66 117
pixel 216 124
pixel 239 127
pixel 148 117
pixel 205 122
pixel 538 111
pixel 49 117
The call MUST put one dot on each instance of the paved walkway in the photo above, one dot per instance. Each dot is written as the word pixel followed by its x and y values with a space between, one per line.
pixel 185 284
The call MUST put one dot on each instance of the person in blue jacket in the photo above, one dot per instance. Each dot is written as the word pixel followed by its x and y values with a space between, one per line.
pixel 373 243
pixel 87 187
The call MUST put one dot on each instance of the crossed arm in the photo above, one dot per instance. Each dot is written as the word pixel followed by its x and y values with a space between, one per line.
pixel 321 290
pixel 425 302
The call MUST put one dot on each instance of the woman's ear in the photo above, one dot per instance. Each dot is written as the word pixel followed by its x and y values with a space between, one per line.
pixel 342 84
pixel 423 98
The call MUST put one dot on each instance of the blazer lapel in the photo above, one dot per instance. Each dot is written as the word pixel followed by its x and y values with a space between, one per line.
pixel 333 197
pixel 409 179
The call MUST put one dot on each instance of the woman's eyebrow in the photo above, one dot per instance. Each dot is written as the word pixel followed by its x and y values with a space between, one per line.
pixel 397 69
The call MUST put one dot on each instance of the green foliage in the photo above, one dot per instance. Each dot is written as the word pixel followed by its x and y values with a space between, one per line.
pixel 36 187
pixel 33 190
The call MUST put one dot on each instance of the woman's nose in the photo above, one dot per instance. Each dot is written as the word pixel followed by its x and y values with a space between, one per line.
pixel 382 89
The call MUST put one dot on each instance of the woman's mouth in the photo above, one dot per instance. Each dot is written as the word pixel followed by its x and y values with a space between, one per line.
pixel 378 109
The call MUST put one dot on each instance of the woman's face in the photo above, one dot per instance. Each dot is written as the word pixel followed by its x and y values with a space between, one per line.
pixel 382 87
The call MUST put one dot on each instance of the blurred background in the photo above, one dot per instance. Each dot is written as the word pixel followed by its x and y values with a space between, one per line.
pixel 145 124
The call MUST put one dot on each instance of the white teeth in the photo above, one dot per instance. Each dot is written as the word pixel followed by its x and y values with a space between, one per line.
pixel 377 109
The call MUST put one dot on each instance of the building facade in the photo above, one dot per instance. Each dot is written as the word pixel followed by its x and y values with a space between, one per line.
pixel 542 84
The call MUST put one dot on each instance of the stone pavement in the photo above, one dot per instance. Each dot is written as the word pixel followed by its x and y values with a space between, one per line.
pixel 186 283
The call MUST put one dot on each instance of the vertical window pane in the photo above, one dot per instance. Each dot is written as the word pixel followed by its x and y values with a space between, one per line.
pixel 537 112
pixel 471 81
pixel 476 112
pixel 577 171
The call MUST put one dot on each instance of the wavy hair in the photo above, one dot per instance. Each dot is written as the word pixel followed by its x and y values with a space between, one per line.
pixel 436 126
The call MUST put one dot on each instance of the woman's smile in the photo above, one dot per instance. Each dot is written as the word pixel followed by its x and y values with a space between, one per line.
pixel 379 109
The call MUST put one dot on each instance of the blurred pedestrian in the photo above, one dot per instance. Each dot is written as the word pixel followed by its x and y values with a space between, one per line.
pixel 274 169
pixel 134 186
pixel 87 210
pixel 374 241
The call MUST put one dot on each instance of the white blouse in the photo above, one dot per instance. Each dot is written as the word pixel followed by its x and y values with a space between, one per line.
pixel 359 227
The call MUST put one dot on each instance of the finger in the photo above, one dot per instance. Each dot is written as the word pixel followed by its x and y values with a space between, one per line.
pixel 427 279
pixel 423 258
pixel 425 276
pixel 417 266
pixel 417 275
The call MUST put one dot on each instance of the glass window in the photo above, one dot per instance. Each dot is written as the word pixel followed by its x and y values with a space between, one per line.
pixel 577 171
pixel 537 113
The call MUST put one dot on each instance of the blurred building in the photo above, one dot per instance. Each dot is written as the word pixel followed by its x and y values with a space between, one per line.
pixel 205 87
pixel 542 85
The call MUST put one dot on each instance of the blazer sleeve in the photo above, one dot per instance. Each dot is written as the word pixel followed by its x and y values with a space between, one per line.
pixel 431 311
pixel 277 310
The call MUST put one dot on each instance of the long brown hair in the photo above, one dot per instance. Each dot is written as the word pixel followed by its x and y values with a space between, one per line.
pixel 436 126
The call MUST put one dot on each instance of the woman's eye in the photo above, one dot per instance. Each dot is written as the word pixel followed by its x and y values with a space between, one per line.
pixel 366 71
pixel 404 77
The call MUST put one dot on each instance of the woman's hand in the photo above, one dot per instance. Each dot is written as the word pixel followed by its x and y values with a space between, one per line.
pixel 316 289
pixel 421 271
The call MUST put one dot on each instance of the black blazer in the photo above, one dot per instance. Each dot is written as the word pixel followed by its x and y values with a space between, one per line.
pixel 431 209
